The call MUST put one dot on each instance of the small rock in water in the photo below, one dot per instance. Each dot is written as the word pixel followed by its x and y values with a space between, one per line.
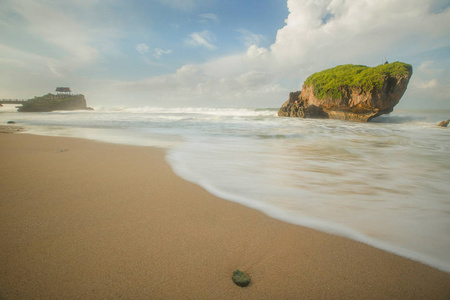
pixel 10 122
pixel 444 123
pixel 240 278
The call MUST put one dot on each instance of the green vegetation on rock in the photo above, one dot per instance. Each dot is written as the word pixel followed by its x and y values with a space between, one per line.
pixel 331 82
pixel 51 102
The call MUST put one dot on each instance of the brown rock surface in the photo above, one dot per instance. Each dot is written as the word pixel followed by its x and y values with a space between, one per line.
pixel 360 99
pixel 444 123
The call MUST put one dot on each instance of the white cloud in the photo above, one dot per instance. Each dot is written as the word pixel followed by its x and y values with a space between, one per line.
pixel 362 31
pixel 431 80
pixel 65 43
pixel 249 38
pixel 58 29
pixel 184 5
pixel 204 39
pixel 46 43
pixel 424 66
pixel 209 17
pixel 430 84
pixel 438 6
pixel 159 52
pixel 86 4
pixel 191 86
pixel 142 48
pixel 27 73
pixel 317 35
pixel 179 4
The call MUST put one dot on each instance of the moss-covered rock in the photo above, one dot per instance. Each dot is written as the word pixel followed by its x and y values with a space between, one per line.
pixel 52 102
pixel 240 278
pixel 351 92
pixel 332 82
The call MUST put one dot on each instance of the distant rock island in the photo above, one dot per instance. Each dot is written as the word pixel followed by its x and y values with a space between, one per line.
pixel 51 102
pixel 349 92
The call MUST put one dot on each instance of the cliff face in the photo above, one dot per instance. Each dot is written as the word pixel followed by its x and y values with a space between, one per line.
pixel 349 92
pixel 52 102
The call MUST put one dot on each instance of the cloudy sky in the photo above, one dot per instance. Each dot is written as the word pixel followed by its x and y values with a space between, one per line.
pixel 233 53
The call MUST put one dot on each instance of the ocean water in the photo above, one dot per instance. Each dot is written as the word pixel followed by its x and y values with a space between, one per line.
pixel 385 183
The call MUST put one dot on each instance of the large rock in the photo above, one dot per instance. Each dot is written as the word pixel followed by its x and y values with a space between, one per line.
pixel 349 92
pixel 52 102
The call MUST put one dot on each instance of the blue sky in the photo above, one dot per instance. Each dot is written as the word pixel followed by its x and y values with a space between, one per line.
pixel 214 52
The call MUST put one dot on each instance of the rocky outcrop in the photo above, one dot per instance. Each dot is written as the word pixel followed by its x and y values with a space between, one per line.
pixel 52 102
pixel 349 92
pixel 444 123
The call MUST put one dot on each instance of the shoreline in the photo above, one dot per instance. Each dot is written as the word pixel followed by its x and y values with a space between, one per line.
pixel 85 219
pixel 330 228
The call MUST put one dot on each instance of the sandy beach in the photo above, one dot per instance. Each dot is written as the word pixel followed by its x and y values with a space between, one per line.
pixel 86 220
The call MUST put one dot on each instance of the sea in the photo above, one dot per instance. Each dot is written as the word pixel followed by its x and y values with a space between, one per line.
pixel 385 183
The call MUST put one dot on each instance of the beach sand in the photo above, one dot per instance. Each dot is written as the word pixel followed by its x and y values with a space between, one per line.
pixel 87 220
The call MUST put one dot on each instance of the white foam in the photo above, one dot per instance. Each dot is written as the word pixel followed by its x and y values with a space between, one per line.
pixel 298 218
pixel 113 136
pixel 189 110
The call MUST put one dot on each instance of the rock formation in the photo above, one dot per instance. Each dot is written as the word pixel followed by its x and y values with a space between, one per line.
pixel 444 123
pixel 52 102
pixel 349 92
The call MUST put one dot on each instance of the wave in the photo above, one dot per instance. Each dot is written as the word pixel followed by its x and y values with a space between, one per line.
pixel 399 119
pixel 177 158
pixel 225 111
pixel 414 116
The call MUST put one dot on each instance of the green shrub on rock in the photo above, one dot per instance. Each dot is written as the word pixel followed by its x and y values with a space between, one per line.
pixel 331 82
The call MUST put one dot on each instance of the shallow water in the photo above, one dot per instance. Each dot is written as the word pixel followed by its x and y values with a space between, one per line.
pixel 384 182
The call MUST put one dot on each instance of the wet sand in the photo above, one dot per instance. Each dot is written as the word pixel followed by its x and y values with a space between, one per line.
pixel 88 220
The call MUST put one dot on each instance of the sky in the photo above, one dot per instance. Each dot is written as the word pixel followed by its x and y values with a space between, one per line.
pixel 216 53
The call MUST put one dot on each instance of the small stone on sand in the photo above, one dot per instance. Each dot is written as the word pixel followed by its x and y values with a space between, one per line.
pixel 240 278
